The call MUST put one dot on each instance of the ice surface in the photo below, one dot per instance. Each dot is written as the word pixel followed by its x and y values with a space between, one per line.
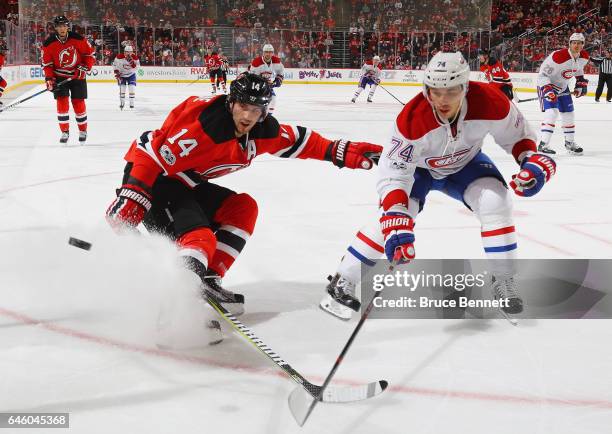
pixel 78 329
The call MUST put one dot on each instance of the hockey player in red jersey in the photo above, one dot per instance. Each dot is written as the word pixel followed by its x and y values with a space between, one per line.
pixel 167 179
pixel 66 56
pixel 495 73
pixel 215 72
pixel 271 68
pixel 3 51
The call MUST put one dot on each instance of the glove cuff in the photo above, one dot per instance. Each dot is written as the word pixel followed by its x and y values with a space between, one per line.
pixel 132 193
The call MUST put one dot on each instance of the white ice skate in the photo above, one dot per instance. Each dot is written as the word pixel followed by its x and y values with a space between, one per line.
pixel 64 137
pixel 340 300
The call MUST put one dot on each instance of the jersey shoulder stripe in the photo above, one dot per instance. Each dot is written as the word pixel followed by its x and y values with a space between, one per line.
pixel 258 61
pixel 584 55
pixel 561 56
pixel 486 102
pixel 416 119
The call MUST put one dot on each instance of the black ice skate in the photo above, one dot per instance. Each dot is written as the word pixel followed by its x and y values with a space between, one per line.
pixel 343 292
pixel 211 286
pixel 369 99
pixel 121 105
pixel 64 137
pixel 82 137
pixel 543 147
pixel 573 148
pixel 504 288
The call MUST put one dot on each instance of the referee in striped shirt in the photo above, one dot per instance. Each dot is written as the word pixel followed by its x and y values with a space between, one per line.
pixel 605 75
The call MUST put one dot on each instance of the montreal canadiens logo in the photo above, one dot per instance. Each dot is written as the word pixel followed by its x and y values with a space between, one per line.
pixel 67 57
pixel 221 170
pixel 446 160
pixel 568 73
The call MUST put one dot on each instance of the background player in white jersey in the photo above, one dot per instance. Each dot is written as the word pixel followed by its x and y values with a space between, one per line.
pixel 370 74
pixel 125 66
pixel 437 145
pixel 555 97
pixel 271 68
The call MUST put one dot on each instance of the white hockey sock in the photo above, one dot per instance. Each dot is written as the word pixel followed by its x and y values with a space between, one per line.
pixel 122 93
pixel 372 90
pixel 365 248
pixel 548 125
pixel 491 203
pixel 357 92
pixel 568 126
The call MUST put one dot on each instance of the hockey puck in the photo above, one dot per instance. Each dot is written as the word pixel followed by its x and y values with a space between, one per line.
pixel 79 243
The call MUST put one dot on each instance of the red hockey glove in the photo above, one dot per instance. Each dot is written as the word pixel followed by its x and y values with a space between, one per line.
pixel 580 89
pixel 80 72
pixel 397 226
pixel 51 83
pixel 536 170
pixel 354 155
pixel 117 77
pixel 129 208
pixel 549 93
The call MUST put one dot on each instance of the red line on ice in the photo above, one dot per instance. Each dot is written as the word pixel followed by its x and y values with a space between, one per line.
pixel 52 181
pixel 473 396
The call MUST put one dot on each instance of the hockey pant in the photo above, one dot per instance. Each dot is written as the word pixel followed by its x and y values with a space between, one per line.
pixel 208 222
pixel 491 203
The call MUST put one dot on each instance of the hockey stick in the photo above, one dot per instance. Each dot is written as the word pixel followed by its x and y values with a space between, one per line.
pixel 528 99
pixel 30 97
pixel 301 406
pixel 385 89
pixel 336 394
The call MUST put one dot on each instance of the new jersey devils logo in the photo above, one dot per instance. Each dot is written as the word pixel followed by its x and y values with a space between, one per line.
pixel 67 57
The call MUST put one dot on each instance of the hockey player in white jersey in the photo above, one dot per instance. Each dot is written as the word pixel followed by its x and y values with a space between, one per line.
pixel 125 65
pixel 554 94
pixel 370 74
pixel 437 145
pixel 271 68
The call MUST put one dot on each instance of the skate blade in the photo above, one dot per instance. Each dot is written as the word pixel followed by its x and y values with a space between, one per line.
pixel 508 318
pixel 331 306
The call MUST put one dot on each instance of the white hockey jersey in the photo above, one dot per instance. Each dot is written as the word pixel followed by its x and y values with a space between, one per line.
pixel 369 70
pixel 269 71
pixel 419 139
pixel 559 67
pixel 126 67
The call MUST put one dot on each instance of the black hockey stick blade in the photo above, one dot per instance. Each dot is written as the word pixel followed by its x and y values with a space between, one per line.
pixel 528 99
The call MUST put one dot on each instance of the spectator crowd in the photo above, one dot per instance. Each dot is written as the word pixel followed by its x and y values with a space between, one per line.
pixel 317 33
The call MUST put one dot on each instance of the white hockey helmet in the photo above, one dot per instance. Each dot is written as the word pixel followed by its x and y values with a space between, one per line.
pixel 128 49
pixel 446 70
pixel 376 58
pixel 577 37
pixel 268 48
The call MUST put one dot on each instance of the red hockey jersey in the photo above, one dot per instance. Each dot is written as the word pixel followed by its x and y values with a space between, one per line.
pixel 495 72
pixel 197 142
pixel 2 59
pixel 213 62
pixel 60 59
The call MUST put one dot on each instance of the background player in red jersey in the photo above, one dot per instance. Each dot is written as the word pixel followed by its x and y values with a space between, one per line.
pixel 167 178
pixel 215 72
pixel 67 55
pixel 3 51
pixel 495 73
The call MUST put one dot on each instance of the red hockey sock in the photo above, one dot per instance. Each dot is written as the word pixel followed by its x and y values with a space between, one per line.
pixel 63 105
pixel 80 113
pixel 198 244
pixel 236 217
